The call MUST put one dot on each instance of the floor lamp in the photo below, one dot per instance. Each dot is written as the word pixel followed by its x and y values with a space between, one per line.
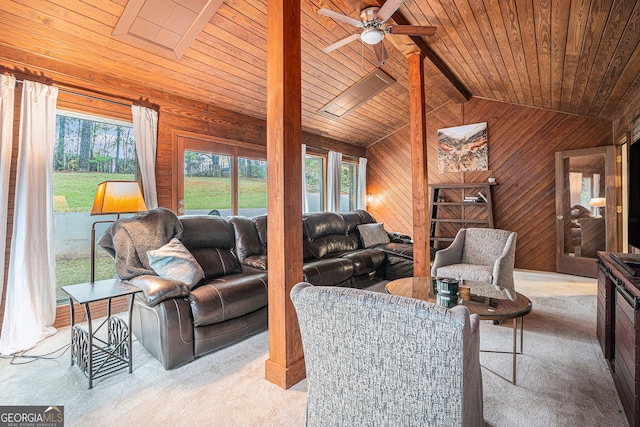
pixel 114 198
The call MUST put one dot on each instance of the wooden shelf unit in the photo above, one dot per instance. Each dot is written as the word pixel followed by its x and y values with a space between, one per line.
pixel 450 211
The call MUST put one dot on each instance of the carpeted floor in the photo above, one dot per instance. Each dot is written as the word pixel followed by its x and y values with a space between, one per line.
pixel 563 379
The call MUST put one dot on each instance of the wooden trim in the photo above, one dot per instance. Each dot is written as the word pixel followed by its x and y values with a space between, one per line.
pixel 420 172
pixel 284 156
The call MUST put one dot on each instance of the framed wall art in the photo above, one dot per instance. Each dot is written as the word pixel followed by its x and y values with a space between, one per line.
pixel 463 148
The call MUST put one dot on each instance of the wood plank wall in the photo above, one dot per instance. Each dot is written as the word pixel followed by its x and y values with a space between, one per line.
pixel 522 143
pixel 175 114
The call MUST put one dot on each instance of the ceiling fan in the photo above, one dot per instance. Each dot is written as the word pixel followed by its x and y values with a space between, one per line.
pixel 372 20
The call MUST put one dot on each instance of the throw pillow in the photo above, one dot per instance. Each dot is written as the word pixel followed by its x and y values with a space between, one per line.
pixel 174 261
pixel 373 234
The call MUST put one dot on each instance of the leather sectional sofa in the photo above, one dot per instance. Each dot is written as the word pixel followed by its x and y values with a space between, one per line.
pixel 177 323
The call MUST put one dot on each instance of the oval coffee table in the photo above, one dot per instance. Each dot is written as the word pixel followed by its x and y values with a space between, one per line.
pixel 486 308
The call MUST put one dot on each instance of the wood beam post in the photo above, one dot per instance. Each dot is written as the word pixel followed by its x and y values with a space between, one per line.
pixel 285 366
pixel 457 90
pixel 417 116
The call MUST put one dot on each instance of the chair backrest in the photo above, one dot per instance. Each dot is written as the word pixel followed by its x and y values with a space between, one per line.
pixel 483 246
pixel 378 359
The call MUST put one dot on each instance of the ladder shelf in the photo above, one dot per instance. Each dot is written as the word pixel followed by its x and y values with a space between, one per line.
pixel 455 206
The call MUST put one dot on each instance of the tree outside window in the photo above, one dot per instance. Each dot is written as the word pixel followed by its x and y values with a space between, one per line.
pixel 88 150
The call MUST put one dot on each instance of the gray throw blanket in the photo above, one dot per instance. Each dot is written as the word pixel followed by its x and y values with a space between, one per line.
pixel 127 240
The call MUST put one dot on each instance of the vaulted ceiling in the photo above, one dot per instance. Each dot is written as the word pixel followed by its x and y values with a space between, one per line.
pixel 578 56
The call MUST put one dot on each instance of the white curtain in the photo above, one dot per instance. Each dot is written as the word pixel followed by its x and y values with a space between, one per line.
pixel 7 90
pixel 596 185
pixel 31 287
pixel 145 128
pixel 596 191
pixel 305 199
pixel 334 170
pixel 575 188
pixel 361 202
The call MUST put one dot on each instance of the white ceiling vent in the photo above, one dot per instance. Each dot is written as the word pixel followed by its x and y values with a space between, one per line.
pixel 164 27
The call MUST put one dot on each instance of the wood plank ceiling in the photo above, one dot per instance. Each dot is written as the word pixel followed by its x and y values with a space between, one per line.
pixel 577 56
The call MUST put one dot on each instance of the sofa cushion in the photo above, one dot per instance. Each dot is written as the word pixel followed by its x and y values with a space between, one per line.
pixel 365 260
pixel 211 240
pixel 373 234
pixel 246 235
pixel 260 222
pixel 327 234
pixel 352 220
pixel 228 297
pixel 328 271
pixel 174 261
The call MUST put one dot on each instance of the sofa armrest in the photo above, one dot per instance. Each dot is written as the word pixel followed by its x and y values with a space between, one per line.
pixel 157 289
pixel 395 237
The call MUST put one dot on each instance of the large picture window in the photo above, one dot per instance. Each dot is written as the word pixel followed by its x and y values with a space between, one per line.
pixel 88 150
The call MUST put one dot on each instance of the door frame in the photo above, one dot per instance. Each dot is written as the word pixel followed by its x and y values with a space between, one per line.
pixel 584 266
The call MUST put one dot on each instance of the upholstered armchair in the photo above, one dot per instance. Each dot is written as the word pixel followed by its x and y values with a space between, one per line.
pixel 375 359
pixel 481 255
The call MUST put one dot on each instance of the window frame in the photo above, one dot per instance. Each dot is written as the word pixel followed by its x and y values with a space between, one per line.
pixel 353 162
pixel 216 145
pixel 321 154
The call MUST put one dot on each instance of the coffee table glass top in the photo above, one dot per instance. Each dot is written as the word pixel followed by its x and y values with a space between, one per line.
pixel 487 308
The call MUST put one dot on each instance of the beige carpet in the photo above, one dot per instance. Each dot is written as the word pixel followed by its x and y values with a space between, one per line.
pixel 562 378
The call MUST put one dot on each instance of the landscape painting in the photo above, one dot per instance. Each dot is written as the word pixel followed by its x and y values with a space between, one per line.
pixel 463 148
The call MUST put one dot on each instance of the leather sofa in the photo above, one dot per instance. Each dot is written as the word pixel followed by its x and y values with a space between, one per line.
pixel 176 323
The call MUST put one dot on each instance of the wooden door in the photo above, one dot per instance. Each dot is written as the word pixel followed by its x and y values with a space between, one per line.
pixel 585 208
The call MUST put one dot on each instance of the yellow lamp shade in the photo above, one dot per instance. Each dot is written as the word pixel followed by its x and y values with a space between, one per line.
pixel 598 202
pixel 118 197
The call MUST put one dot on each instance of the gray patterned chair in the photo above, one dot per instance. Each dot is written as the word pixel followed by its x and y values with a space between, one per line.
pixel 480 255
pixel 375 359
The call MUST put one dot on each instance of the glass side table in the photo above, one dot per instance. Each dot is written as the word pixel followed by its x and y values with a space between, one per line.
pixel 94 356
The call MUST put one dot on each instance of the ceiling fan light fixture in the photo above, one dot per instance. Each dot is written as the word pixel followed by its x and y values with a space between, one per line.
pixel 372 35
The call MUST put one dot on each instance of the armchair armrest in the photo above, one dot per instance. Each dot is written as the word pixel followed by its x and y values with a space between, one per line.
pixel 157 289
pixel 503 268
pixel 450 255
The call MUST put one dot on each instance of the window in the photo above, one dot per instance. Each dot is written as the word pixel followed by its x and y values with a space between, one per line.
pixel 315 183
pixel 252 187
pixel 88 150
pixel 221 178
pixel 348 186
pixel 207 183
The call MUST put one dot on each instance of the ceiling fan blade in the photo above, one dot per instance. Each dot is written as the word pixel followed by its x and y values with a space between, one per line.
pixel 411 30
pixel 339 17
pixel 388 9
pixel 341 43
pixel 381 52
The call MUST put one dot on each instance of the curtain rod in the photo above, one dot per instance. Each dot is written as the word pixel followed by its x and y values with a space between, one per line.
pixel 140 102
pixel 84 95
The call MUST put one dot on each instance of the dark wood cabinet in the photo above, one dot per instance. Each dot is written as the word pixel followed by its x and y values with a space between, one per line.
pixel 618 330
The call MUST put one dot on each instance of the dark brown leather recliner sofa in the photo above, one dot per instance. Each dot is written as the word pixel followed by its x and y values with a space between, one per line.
pixel 177 324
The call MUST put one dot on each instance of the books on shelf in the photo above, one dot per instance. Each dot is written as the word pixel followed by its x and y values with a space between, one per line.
pixel 480 198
